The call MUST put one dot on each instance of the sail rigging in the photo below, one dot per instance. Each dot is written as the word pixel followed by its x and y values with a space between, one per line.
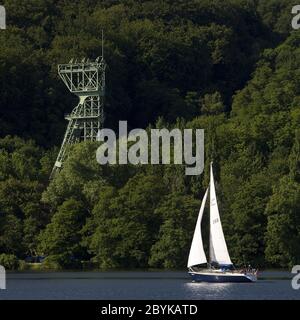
pixel 218 251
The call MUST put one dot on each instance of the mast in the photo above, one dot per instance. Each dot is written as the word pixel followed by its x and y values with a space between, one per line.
pixel 212 257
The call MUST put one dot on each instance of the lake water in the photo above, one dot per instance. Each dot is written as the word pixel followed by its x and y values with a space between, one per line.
pixel 142 285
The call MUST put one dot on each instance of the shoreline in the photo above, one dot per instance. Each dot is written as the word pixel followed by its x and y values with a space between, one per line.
pixel 270 274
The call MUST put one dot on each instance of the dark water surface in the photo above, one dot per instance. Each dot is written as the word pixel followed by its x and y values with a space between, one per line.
pixel 142 285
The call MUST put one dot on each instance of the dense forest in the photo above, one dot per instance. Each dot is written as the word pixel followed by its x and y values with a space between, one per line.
pixel 229 67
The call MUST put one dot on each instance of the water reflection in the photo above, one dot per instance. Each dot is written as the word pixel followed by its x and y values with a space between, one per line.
pixel 204 290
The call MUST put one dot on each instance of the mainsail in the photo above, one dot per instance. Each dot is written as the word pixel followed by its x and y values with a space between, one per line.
pixel 212 256
pixel 218 247
pixel 197 254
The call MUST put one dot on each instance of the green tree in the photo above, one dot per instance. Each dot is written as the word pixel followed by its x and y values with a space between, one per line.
pixel 212 104
pixel 126 224
pixel 283 232
pixel 61 238
pixel 11 235
pixel 179 213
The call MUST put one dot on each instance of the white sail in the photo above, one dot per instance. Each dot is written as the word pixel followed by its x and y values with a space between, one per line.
pixel 218 245
pixel 197 254
pixel 212 256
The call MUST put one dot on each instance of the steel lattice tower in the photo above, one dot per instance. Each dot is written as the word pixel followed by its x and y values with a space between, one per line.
pixel 86 79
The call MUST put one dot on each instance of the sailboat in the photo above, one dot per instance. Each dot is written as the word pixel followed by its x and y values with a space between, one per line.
pixel 219 268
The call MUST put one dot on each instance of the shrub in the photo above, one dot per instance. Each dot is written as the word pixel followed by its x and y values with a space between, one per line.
pixel 52 263
pixel 9 261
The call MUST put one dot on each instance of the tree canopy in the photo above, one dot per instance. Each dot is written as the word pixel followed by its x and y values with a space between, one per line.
pixel 231 68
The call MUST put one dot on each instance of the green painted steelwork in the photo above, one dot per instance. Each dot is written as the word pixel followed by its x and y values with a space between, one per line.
pixel 86 79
